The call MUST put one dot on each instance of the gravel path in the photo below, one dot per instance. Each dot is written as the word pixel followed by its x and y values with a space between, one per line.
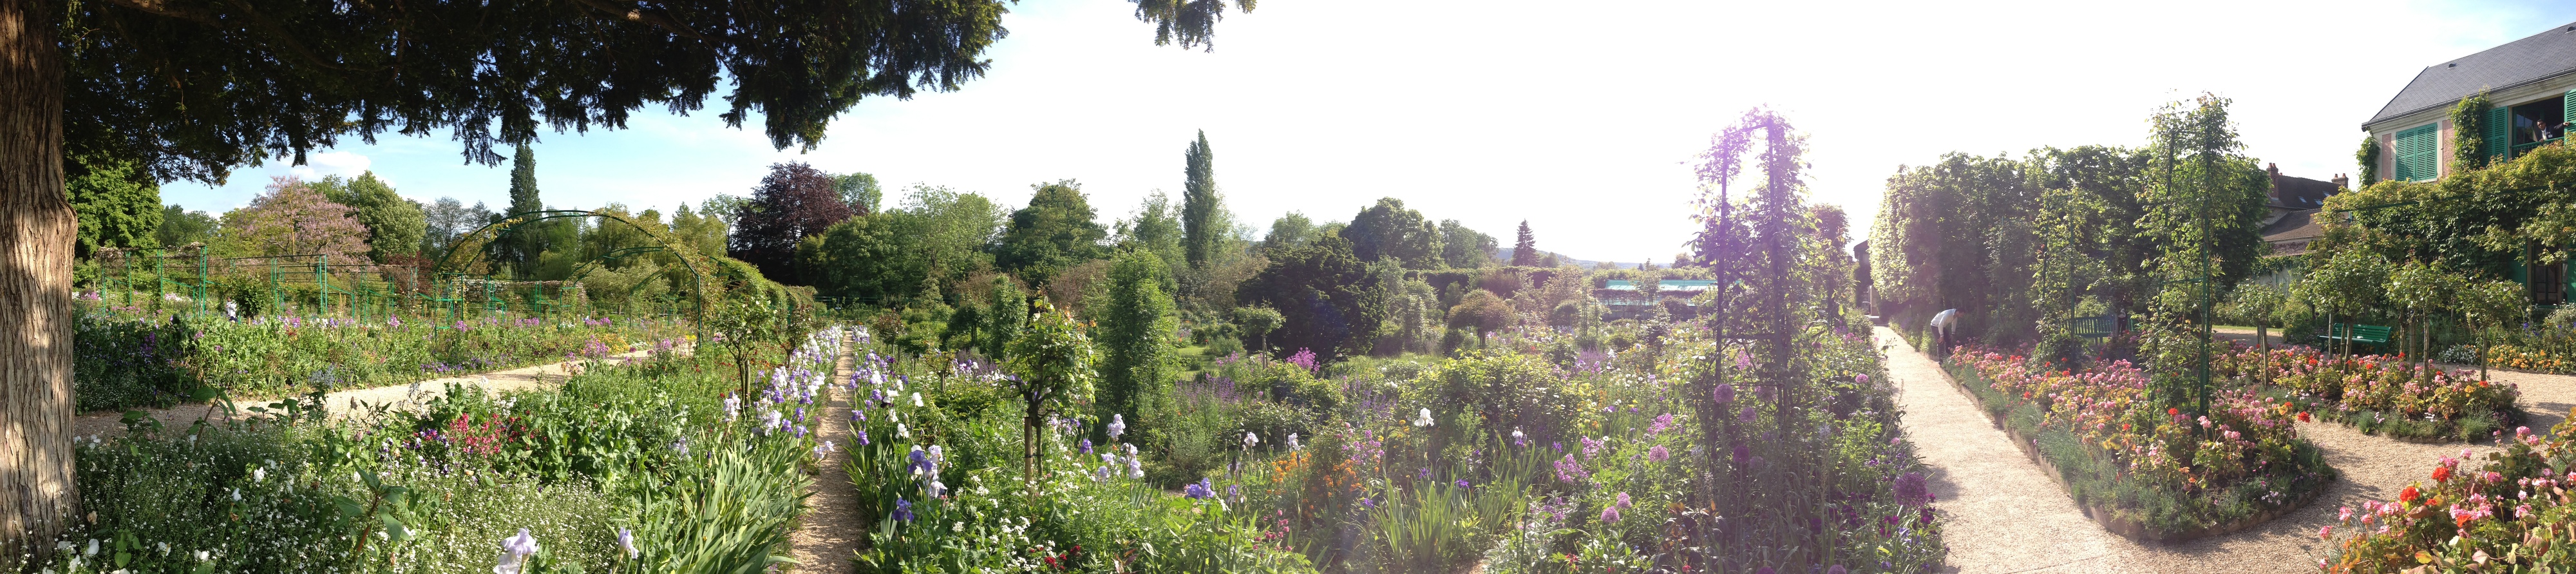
pixel 2004 515
pixel 109 424
pixel 828 535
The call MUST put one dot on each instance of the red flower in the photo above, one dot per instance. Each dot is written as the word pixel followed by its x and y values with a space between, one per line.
pixel 2303 416
pixel 2173 411
pixel 2441 473
pixel 2409 494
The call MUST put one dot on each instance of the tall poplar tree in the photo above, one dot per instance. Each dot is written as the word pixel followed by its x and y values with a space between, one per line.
pixel 1199 202
pixel 194 88
pixel 527 241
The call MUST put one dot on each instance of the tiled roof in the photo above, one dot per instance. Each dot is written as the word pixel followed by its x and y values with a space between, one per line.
pixel 2541 56
pixel 2296 225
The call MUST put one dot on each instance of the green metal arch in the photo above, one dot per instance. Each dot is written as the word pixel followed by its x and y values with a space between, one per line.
pixel 473 246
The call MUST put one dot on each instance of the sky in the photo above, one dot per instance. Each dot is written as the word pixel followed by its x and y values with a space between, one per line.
pixel 1581 118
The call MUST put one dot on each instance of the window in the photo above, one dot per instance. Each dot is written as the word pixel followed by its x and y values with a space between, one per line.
pixel 2537 122
pixel 2418 153
pixel 2549 283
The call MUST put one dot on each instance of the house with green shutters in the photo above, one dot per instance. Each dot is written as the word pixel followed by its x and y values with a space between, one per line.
pixel 2532 82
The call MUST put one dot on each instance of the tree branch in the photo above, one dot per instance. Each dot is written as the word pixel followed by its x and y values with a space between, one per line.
pixel 168 9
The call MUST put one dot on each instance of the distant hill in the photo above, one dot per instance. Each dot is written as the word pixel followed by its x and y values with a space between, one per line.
pixel 1505 255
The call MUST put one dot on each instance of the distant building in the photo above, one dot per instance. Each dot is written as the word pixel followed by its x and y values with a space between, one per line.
pixel 2532 82
pixel 1624 300
pixel 2289 221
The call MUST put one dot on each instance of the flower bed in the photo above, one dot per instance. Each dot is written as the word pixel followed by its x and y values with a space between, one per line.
pixel 125 359
pixel 2513 511
pixel 2379 394
pixel 2145 472
pixel 638 468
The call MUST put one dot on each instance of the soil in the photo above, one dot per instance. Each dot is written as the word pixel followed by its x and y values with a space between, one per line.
pixel 105 424
pixel 2002 514
pixel 828 535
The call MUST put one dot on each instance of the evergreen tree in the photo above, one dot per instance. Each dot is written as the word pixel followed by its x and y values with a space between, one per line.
pixel 1200 202
pixel 1329 299
pixel 1525 249
pixel 1137 329
pixel 524 242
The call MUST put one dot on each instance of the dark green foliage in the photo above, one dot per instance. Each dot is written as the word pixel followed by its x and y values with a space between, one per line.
pixel 521 246
pixel 394 225
pixel 117 201
pixel 794 201
pixel 1258 322
pixel 1137 327
pixel 2368 155
pixel 1202 212
pixel 1464 248
pixel 1525 248
pixel 1325 293
pixel 181 227
pixel 1157 227
pixel 883 259
pixel 1055 231
pixel 1481 313
pixel 2469 132
pixel 1389 232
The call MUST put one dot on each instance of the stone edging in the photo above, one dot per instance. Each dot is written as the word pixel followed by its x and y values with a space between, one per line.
pixel 2126 528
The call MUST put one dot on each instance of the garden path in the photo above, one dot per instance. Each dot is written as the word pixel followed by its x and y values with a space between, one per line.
pixel 110 424
pixel 2006 515
pixel 828 535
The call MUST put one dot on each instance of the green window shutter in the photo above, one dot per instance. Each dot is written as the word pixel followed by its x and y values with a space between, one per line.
pixel 2567 106
pixel 2418 156
pixel 2499 135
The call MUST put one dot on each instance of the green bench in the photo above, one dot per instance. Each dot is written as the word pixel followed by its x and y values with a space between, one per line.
pixel 2364 334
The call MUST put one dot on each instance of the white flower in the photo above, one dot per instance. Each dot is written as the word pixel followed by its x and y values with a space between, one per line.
pixel 93 548
pixel 916 399
pixel 259 475
pixel 1117 426
pixel 1292 442
pixel 937 456
pixel 1250 439
pixel 514 552
pixel 626 540
pixel 236 495
pixel 1424 419
pixel 900 432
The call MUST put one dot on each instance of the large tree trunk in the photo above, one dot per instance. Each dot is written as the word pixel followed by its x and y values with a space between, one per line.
pixel 36 230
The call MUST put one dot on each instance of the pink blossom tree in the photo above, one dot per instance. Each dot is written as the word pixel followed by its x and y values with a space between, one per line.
pixel 294 218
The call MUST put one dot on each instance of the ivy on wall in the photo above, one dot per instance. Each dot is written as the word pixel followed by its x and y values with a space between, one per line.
pixel 2469 132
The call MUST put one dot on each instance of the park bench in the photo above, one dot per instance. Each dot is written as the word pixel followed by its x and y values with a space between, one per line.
pixel 2365 334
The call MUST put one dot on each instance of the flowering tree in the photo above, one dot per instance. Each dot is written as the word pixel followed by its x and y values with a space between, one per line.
pixel 1052 360
pixel 293 218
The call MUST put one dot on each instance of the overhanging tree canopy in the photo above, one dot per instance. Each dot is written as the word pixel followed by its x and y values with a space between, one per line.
pixel 193 88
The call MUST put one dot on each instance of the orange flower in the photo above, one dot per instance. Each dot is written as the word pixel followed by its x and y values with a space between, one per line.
pixel 2409 494
pixel 2441 473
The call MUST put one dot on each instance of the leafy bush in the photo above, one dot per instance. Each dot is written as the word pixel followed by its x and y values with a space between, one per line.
pixel 2511 513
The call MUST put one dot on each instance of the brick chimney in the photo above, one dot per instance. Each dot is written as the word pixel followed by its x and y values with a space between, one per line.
pixel 2342 182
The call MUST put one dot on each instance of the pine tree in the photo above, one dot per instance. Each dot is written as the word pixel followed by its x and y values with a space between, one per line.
pixel 1199 202
pixel 1525 249
pixel 520 249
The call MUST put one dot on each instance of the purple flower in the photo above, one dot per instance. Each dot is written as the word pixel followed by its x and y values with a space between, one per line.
pixel 1203 489
pixel 1910 489
pixel 1623 500
pixel 1367 503
pixel 1610 514
pixel 863 437
pixel 1662 423
pixel 1743 455
pixel 1748 415
pixel 1462 483
pixel 1086 446
pixel 1659 453
pixel 902 510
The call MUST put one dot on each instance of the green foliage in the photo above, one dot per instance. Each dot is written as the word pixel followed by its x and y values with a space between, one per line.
pixel 1156 226
pixel 1054 362
pixel 1326 295
pixel 884 258
pixel 2368 156
pixel 1203 219
pixel 1389 232
pixel 1525 247
pixel 1259 322
pixel 394 225
pixel 1136 327
pixel 861 191
pixel 116 200
pixel 1481 313
pixel 1290 230
pixel 180 226
pixel 520 248
pixel 1054 232
pixel 2469 132
pixel 1463 248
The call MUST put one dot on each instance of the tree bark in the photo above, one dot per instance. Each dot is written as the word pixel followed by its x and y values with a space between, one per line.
pixel 37 497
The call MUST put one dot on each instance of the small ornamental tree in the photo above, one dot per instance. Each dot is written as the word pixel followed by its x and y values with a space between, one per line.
pixel 1053 365
pixel 2261 302
pixel 293 218
pixel 1259 322
pixel 2347 284
pixel 2490 304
